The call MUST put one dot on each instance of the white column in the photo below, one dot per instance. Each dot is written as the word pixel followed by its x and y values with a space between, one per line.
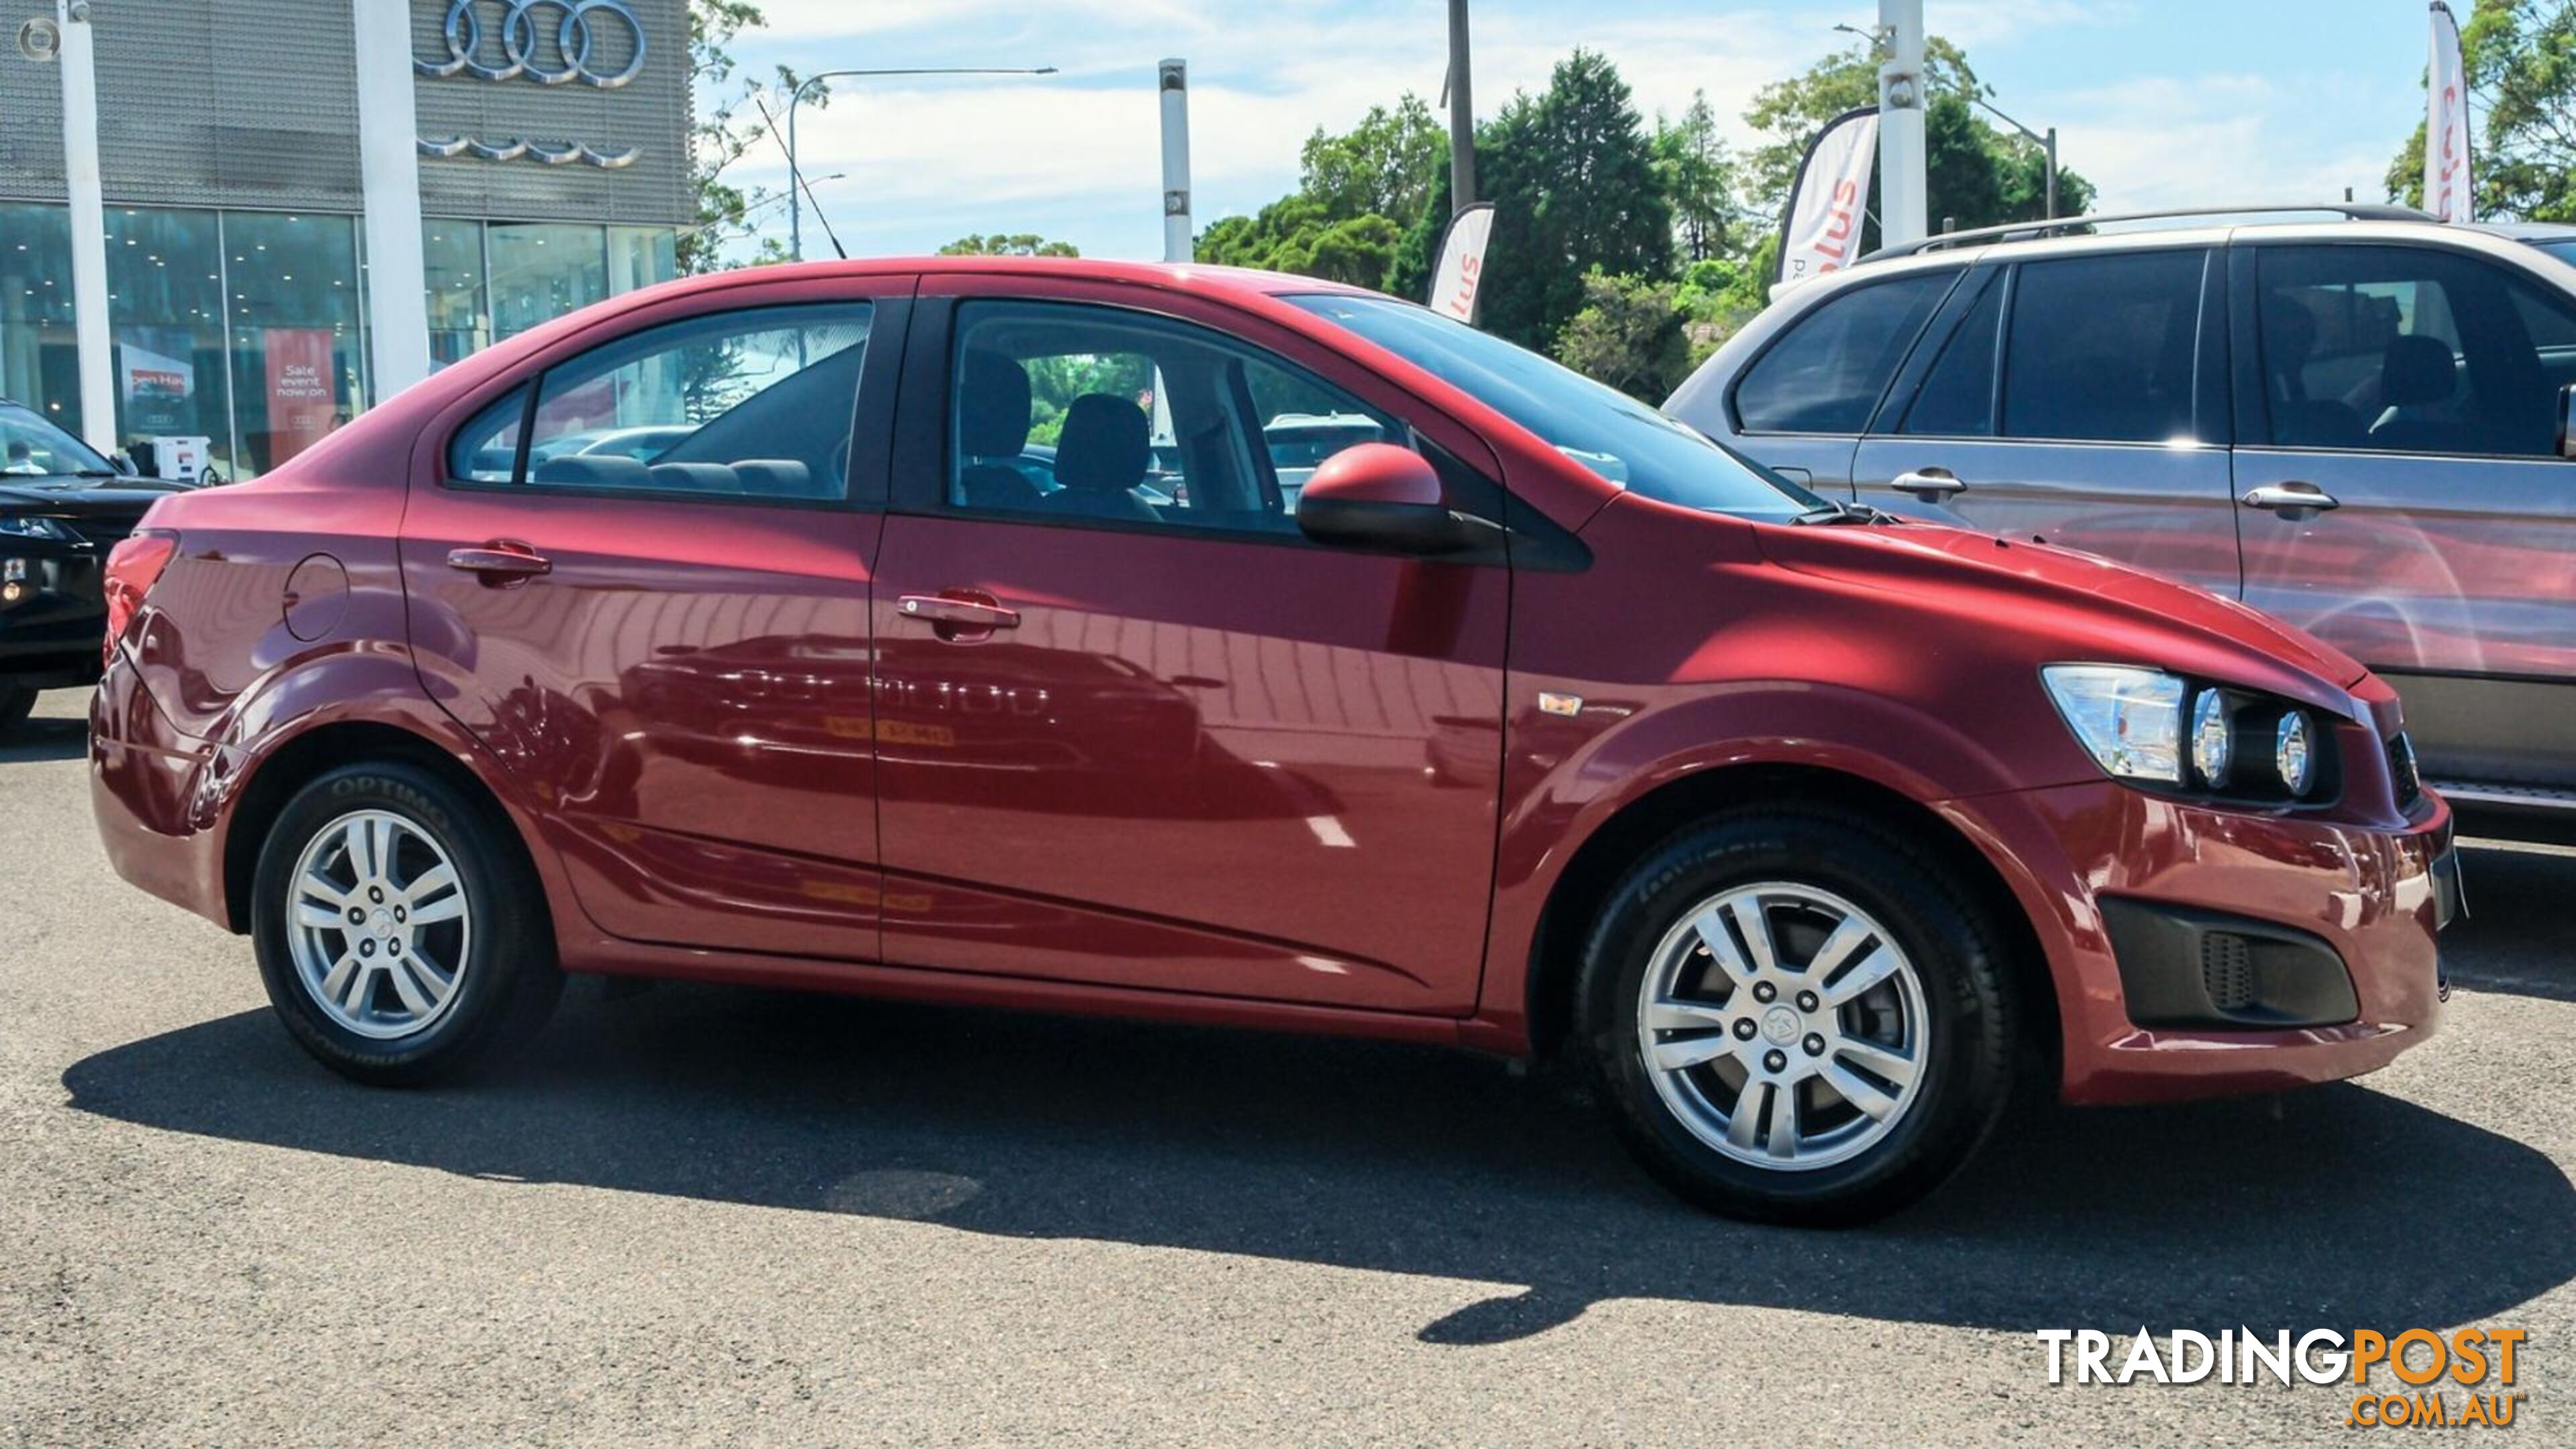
pixel 389 187
pixel 1175 83
pixel 1903 204
pixel 89 227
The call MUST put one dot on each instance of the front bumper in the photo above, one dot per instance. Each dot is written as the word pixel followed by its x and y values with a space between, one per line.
pixel 50 635
pixel 2089 860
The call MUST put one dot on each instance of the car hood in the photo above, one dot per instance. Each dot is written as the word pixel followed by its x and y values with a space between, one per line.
pixel 2130 612
pixel 105 496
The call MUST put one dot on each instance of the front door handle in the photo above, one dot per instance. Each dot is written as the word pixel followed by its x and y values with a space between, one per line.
pixel 2293 500
pixel 501 562
pixel 1929 485
pixel 954 614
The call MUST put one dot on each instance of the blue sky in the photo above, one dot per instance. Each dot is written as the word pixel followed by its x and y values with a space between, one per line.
pixel 2160 102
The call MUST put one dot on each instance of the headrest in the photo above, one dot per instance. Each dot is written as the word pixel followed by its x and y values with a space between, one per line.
pixel 1106 444
pixel 585 470
pixel 2418 370
pixel 992 405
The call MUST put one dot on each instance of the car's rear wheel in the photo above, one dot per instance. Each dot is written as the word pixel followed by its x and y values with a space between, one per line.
pixel 14 707
pixel 400 932
pixel 1797 1016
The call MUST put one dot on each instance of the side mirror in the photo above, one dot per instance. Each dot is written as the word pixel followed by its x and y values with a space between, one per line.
pixel 2567 421
pixel 1380 496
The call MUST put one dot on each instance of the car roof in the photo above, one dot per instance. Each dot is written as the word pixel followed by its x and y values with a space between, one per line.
pixel 1180 276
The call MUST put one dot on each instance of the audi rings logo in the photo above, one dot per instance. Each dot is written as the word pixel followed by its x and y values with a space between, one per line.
pixel 551 42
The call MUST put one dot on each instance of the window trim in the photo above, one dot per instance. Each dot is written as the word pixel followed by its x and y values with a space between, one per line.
pixel 889 320
pixel 2252 394
pixel 926 459
pixel 1735 385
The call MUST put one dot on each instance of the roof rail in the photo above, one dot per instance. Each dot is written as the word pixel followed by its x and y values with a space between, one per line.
pixel 2070 225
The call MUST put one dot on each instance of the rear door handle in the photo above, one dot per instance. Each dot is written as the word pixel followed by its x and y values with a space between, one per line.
pixel 1930 485
pixel 2293 500
pixel 937 609
pixel 500 562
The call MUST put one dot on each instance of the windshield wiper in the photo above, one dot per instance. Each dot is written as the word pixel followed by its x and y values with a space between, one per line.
pixel 1837 511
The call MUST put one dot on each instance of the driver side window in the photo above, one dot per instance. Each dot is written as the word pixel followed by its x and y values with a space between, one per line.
pixel 1069 411
pixel 756 404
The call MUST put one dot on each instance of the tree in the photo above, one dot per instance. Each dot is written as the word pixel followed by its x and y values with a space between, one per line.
pixel 1020 244
pixel 1300 233
pixel 1571 173
pixel 1698 172
pixel 1381 167
pixel 722 135
pixel 2521 61
pixel 1628 334
pixel 1974 173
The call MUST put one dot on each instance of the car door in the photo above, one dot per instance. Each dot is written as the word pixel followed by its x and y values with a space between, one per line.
pixel 2080 400
pixel 2403 493
pixel 1135 729
pixel 1800 405
pixel 669 654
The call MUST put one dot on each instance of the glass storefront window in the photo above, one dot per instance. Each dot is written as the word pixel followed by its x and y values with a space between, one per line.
pixel 541 270
pixel 296 350
pixel 165 307
pixel 459 323
pixel 639 256
pixel 39 360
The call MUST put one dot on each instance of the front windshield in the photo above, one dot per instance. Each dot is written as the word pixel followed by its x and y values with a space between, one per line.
pixel 30 447
pixel 2566 249
pixel 1606 431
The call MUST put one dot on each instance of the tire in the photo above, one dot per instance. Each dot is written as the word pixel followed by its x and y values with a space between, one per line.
pixel 1933 1059
pixel 483 930
pixel 14 707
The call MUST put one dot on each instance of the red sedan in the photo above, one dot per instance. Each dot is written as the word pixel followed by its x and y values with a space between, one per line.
pixel 957 638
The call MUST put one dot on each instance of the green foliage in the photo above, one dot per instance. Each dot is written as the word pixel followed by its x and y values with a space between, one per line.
pixel 2521 61
pixel 1571 173
pixel 1629 333
pixel 1018 244
pixel 1381 167
pixel 1299 233
pixel 1698 172
pixel 1054 382
pixel 722 134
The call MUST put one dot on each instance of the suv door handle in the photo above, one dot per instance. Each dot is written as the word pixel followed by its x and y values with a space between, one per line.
pixel 949 612
pixel 2293 500
pixel 1929 485
pixel 501 562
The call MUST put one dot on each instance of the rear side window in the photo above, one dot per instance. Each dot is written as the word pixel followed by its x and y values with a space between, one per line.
pixel 1957 398
pixel 2104 349
pixel 754 404
pixel 1826 374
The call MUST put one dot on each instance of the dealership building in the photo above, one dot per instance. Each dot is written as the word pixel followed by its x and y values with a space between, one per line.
pixel 303 205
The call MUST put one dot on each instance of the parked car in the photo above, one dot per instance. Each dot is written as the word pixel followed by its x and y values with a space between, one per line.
pixel 2358 425
pixel 62 507
pixel 1805 832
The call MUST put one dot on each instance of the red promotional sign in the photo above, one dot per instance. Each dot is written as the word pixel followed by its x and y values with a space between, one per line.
pixel 301 406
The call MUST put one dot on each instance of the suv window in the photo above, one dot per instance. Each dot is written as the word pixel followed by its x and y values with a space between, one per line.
pixel 2104 349
pixel 750 404
pixel 1827 372
pixel 1089 412
pixel 2409 350
pixel 1957 397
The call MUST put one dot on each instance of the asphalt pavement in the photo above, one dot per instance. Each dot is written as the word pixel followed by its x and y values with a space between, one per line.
pixel 701 1215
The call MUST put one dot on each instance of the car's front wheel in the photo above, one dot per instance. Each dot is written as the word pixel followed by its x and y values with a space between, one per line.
pixel 400 932
pixel 1798 1016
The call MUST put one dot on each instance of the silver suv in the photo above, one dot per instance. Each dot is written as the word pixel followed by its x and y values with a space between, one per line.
pixel 2360 424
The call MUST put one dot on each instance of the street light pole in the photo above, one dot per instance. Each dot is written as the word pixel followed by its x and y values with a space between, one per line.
pixel 2047 144
pixel 1462 115
pixel 796 97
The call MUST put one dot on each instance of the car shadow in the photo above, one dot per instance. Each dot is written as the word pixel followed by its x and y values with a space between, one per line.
pixel 2516 939
pixel 43 738
pixel 2338 1206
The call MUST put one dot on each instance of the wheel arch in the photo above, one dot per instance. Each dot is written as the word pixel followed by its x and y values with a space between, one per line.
pixel 1575 899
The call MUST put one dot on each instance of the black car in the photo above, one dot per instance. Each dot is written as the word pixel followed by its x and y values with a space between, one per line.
pixel 62 507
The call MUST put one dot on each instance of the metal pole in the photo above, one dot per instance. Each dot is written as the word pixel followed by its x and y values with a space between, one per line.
pixel 2052 174
pixel 1462 115
pixel 1903 205
pixel 1178 243
pixel 82 181
pixel 389 186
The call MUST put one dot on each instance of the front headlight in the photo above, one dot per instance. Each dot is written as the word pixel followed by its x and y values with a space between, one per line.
pixel 45 528
pixel 2131 719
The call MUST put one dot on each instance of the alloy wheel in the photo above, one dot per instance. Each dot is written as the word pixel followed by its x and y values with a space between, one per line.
pixel 378 925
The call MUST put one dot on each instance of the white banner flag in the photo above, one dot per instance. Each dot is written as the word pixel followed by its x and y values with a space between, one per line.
pixel 1460 275
pixel 2446 124
pixel 1821 231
